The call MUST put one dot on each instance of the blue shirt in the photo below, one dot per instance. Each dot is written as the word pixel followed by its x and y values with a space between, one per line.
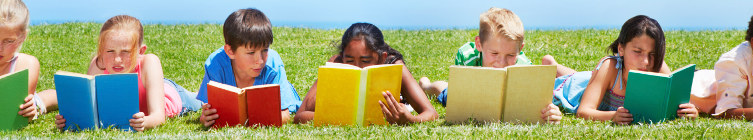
pixel 219 69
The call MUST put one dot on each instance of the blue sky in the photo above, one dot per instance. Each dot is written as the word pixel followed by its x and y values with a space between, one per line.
pixel 438 14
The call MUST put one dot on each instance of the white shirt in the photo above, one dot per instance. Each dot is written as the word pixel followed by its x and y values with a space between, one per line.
pixel 733 76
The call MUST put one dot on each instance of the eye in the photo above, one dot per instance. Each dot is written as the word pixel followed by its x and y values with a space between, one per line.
pixel 348 61
pixel 110 51
pixel 265 50
pixel 366 61
pixel 251 53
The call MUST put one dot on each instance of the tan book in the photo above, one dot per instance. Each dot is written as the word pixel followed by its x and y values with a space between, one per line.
pixel 513 94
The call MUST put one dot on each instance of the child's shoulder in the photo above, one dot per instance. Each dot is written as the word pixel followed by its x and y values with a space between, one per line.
pixel 25 61
pixel 741 50
pixel 609 65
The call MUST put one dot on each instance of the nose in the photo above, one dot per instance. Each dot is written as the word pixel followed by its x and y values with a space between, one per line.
pixel 645 61
pixel 118 59
pixel 259 58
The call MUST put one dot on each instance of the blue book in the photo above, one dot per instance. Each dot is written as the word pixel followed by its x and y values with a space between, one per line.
pixel 101 101
pixel 117 99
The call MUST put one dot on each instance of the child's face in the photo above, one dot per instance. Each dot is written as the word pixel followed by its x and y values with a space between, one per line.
pixel 117 52
pixel 638 53
pixel 248 61
pixel 358 54
pixel 498 52
pixel 11 38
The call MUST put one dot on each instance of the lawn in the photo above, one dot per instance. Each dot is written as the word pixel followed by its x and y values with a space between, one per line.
pixel 183 49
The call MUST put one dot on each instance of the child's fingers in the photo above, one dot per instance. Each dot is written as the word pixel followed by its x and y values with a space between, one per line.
pixel 138 124
pixel 394 102
pixel 28 98
pixel 390 105
pixel 208 123
pixel 211 117
pixel 30 112
pixel 208 112
pixel 138 115
pixel 385 111
pixel 687 105
pixel 136 121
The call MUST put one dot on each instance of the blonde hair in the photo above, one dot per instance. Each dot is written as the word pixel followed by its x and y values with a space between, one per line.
pixel 122 23
pixel 14 13
pixel 500 22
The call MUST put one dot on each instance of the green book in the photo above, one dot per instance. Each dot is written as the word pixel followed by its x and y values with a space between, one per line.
pixel 14 88
pixel 653 97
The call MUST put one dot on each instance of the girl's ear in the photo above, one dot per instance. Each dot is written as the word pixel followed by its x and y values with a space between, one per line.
pixel 478 44
pixel 229 51
pixel 384 56
pixel 620 49
pixel 521 46
pixel 142 49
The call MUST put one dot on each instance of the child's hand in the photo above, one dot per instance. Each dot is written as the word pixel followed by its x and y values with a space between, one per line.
pixel 622 116
pixel 137 122
pixel 28 109
pixel 395 112
pixel 59 121
pixel 208 116
pixel 551 113
pixel 687 110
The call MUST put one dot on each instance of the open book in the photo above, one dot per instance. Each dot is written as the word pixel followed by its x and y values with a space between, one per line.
pixel 100 101
pixel 349 95
pixel 513 94
pixel 14 87
pixel 250 106
pixel 655 97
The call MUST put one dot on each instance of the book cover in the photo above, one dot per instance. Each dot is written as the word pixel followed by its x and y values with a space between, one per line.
pixel 117 99
pixel 14 87
pixel 77 100
pixel 264 105
pixel 513 94
pixel 529 89
pixel 349 95
pixel 654 97
pixel 230 103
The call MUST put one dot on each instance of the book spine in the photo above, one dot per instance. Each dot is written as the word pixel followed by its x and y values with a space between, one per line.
pixel 361 97
pixel 504 94
pixel 93 89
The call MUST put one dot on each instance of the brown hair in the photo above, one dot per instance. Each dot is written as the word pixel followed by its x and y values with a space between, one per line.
pixel 502 23
pixel 247 27
pixel 122 23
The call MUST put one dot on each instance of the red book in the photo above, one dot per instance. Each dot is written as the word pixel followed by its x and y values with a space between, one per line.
pixel 250 106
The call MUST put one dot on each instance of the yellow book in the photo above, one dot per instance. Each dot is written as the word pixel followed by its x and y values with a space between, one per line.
pixel 349 95
pixel 513 94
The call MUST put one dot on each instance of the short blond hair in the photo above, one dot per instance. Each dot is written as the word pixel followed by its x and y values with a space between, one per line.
pixel 14 13
pixel 500 22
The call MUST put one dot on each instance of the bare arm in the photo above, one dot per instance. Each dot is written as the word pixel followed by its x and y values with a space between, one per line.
pixel 154 84
pixel 306 112
pixel 31 63
pixel 597 86
pixel 416 97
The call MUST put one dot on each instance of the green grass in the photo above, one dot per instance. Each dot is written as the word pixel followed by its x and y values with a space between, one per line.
pixel 183 49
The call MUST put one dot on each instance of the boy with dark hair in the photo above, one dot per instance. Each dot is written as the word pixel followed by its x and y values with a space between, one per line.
pixel 246 60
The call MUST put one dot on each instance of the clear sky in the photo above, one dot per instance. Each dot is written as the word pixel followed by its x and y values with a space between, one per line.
pixel 407 14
